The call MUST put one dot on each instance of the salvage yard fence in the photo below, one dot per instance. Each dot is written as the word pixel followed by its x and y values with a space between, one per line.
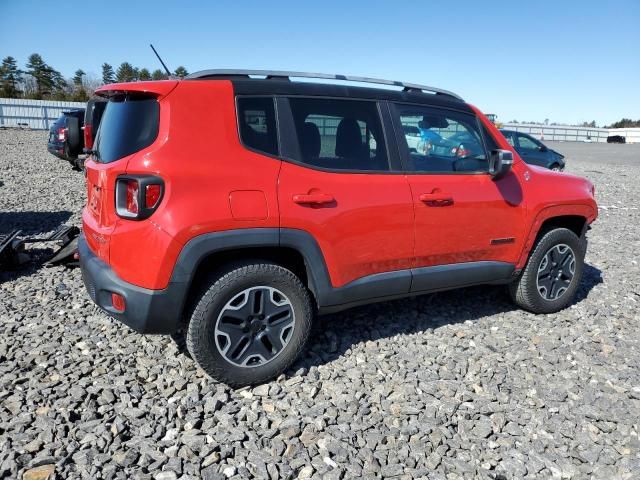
pixel 34 114
pixel 40 114
pixel 565 133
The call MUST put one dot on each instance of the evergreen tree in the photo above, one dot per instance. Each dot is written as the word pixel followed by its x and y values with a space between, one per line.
pixel 79 91
pixel 9 78
pixel 158 75
pixel 48 80
pixel 144 75
pixel 108 75
pixel 181 72
pixel 126 73
pixel 77 78
pixel 39 71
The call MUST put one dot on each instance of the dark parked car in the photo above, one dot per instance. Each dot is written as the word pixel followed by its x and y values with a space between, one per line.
pixel 65 135
pixel 616 139
pixel 534 151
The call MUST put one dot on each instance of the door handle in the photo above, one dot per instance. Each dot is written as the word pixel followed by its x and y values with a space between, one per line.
pixel 437 199
pixel 313 198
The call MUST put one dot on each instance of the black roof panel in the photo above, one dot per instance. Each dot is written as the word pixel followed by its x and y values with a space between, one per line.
pixel 273 86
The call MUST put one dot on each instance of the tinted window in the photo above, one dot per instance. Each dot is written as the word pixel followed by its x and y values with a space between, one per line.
pixel 257 124
pixel 128 125
pixel 509 137
pixel 528 143
pixel 339 134
pixel 448 141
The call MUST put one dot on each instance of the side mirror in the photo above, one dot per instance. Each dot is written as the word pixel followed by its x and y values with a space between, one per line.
pixel 500 163
pixel 542 148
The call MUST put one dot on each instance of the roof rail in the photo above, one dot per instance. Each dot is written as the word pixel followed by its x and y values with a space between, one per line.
pixel 285 75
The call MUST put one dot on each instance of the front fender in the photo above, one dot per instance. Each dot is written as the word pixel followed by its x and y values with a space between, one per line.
pixel 581 210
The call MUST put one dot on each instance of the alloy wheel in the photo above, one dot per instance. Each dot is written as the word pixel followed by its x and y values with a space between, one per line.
pixel 556 271
pixel 254 326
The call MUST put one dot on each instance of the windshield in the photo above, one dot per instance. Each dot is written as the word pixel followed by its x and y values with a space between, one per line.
pixel 128 125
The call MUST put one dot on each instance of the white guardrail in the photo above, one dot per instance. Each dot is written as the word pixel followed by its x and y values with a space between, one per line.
pixel 39 114
pixel 35 114
pixel 564 133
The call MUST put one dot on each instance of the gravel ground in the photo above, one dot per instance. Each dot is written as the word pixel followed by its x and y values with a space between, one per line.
pixel 446 386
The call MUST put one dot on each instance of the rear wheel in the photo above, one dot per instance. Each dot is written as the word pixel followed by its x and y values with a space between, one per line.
pixel 553 273
pixel 250 324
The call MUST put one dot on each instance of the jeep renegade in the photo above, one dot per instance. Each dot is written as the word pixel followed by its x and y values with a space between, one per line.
pixel 231 207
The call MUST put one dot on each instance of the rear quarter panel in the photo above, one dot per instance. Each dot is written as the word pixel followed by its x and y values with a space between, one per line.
pixel 204 167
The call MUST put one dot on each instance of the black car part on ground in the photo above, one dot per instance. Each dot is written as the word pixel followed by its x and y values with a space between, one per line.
pixel 10 249
pixel 13 252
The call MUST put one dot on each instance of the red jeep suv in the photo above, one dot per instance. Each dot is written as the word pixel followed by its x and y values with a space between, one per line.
pixel 232 206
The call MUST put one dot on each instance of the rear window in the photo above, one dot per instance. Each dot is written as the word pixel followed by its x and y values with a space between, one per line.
pixel 128 125
pixel 257 124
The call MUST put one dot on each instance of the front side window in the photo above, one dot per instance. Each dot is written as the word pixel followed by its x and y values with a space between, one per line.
pixel 339 134
pixel 257 124
pixel 527 143
pixel 448 142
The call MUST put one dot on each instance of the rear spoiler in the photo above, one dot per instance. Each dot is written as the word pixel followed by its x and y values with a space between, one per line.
pixel 159 88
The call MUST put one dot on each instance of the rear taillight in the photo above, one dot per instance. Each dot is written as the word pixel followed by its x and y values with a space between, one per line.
pixel 138 196
pixel 152 195
pixel 88 140
pixel 133 192
pixel 62 134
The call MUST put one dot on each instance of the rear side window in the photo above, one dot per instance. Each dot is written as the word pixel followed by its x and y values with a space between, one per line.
pixel 339 134
pixel 257 124
pixel 128 125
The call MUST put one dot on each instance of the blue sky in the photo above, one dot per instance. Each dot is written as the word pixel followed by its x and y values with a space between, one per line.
pixel 568 61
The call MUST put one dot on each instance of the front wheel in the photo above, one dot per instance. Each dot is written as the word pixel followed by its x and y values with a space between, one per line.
pixel 553 273
pixel 250 324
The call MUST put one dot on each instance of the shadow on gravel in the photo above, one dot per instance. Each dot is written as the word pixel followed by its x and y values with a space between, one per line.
pixel 337 333
pixel 591 276
pixel 32 223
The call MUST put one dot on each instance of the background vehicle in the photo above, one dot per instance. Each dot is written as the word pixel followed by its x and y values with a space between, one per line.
pixel 95 109
pixel 533 151
pixel 616 139
pixel 306 198
pixel 65 135
pixel 413 136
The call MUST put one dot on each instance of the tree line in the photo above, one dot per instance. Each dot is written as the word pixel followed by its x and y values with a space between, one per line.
pixel 38 80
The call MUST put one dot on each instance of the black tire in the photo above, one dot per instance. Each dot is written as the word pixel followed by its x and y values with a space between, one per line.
pixel 207 343
pixel 74 136
pixel 555 167
pixel 528 291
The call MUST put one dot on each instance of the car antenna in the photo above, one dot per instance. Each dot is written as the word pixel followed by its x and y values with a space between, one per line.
pixel 163 64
